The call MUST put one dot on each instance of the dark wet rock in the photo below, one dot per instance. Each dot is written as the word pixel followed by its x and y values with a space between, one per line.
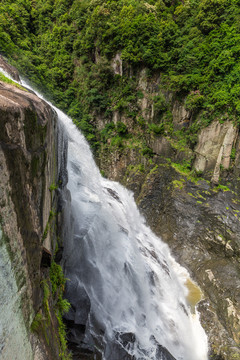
pixel 163 354
pixel 80 303
pixel 76 320
pixel 58 255
pixel 116 349
pixel 120 349
pixel 46 258
pixel 113 194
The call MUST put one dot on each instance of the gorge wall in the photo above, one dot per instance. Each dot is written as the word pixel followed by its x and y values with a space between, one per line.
pixel 28 239
pixel 189 195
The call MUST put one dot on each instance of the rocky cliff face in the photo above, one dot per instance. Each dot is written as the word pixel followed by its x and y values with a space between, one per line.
pixel 28 166
pixel 190 197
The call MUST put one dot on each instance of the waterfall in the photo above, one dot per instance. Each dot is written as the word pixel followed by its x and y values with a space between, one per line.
pixel 135 287
pixel 119 270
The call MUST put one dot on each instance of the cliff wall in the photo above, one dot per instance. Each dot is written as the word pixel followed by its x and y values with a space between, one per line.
pixel 188 190
pixel 28 163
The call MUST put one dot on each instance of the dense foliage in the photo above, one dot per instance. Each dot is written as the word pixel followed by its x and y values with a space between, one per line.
pixel 65 47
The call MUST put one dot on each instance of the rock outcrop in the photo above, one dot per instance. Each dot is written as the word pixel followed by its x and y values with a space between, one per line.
pixel 28 164
pixel 214 147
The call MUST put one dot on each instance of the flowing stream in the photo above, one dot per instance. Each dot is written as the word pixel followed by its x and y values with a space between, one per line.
pixel 135 290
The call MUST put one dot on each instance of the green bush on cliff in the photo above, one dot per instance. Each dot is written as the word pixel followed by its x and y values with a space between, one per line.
pixel 156 129
pixel 57 278
pixel 62 306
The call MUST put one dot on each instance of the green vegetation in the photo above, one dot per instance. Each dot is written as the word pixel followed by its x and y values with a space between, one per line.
pixel 11 82
pixel 43 321
pixel 223 187
pixel 65 47
pixel 37 321
pixel 62 305
pixel 57 278
pixel 178 184
pixel 52 214
pixel 53 187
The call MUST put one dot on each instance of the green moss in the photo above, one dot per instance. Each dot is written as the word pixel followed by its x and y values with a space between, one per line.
pixel 156 129
pixel 42 322
pixel 178 184
pixel 181 169
pixel 133 169
pixel 236 201
pixel 37 322
pixel 57 278
pixel 206 192
pixel 153 170
pixel 46 297
pixel 233 154
pixel 199 195
pixel 62 306
pixel 223 187
pixel 53 187
pixel 11 82
pixel 52 214
pixel 190 194
pixel 64 354
pixel 185 171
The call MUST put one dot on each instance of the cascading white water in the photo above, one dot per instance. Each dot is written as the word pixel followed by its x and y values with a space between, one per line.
pixel 133 283
pixel 127 272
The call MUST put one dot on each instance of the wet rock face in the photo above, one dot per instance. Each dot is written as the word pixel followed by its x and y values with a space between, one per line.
pixel 117 350
pixel 27 169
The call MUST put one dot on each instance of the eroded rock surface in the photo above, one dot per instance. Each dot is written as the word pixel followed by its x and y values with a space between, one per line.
pixel 214 148
pixel 28 168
